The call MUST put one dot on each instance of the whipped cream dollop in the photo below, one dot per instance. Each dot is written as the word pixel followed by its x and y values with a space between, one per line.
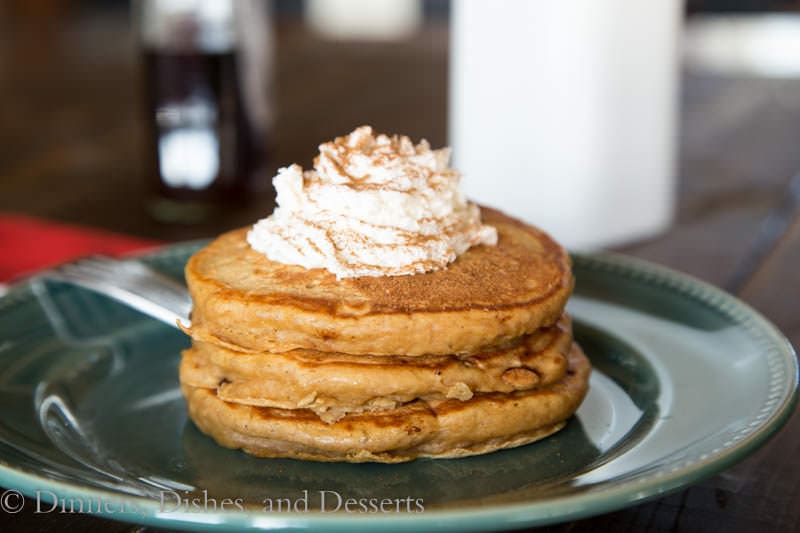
pixel 373 205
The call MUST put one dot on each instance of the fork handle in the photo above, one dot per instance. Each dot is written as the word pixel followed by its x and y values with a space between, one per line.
pixel 163 298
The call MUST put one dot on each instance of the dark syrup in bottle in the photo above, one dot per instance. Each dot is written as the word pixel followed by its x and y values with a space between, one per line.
pixel 203 149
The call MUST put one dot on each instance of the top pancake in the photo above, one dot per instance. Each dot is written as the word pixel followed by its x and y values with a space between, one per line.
pixel 489 295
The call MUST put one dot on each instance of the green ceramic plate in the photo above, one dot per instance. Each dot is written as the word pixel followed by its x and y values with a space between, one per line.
pixel 687 381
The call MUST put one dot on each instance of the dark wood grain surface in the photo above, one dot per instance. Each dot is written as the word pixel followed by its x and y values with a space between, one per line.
pixel 71 142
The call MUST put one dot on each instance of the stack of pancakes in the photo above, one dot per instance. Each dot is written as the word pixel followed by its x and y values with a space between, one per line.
pixel 291 362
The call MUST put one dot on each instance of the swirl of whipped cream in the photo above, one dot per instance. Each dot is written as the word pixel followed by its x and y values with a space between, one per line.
pixel 372 206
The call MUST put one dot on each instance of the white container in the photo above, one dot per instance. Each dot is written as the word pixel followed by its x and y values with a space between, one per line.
pixel 564 113
pixel 364 19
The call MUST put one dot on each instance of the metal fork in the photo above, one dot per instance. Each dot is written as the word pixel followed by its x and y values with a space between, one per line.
pixel 130 282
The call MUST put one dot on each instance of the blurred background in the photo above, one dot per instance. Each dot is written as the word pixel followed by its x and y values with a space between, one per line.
pixel 664 130
pixel 659 131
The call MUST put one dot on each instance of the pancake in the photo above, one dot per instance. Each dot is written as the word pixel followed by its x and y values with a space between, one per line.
pixel 488 296
pixel 422 428
pixel 333 385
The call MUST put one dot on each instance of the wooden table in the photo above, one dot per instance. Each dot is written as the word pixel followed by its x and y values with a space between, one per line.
pixel 71 142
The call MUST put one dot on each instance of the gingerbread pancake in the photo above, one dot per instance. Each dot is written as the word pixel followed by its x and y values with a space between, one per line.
pixel 332 384
pixel 488 296
pixel 421 428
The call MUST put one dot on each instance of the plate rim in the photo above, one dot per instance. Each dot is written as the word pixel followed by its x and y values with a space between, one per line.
pixel 496 515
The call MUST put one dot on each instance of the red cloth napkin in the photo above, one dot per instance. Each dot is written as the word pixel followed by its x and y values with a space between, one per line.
pixel 28 244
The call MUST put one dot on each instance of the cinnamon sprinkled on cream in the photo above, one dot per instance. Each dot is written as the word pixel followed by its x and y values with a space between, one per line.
pixel 374 205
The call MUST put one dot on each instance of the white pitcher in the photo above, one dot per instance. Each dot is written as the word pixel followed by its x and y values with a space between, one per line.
pixel 564 113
